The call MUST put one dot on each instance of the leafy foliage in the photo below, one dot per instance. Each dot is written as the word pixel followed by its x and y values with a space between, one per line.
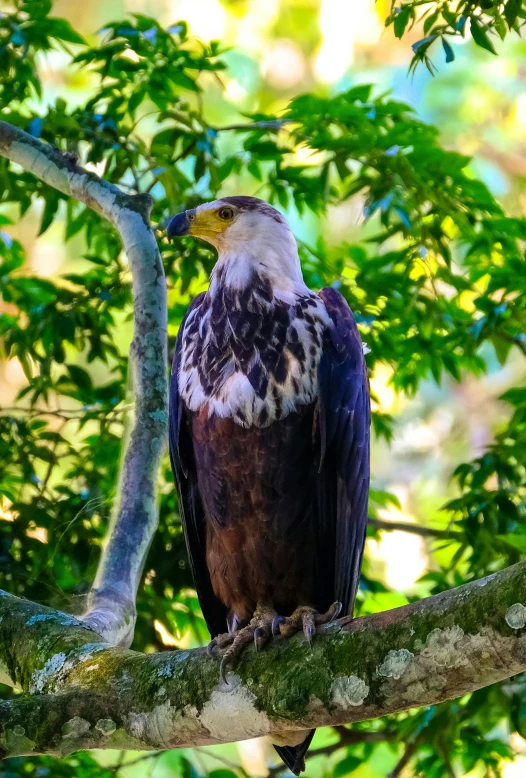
pixel 443 22
pixel 435 275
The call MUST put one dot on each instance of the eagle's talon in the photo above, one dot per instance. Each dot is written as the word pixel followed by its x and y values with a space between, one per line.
pixel 222 670
pixel 334 610
pixel 307 619
pixel 211 646
pixel 258 634
pixel 277 621
pixel 259 631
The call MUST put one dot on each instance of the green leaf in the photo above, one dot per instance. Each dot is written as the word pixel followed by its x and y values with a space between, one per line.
pixel 502 348
pixel 511 11
pixel 181 79
pixel 480 36
pixel 135 100
pixel 430 20
pixel 401 20
pixel 199 167
pixel 26 366
pixel 264 149
pixel 383 498
pixel 500 26
pixel 423 44
pixel 62 29
pixel 52 202
pixel 361 93
pixel 450 54
pixel 187 769
pixel 80 377
pixel 222 773
pixel 517 541
pixel 346 766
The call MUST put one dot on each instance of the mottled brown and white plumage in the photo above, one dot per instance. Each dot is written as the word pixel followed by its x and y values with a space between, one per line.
pixel 269 431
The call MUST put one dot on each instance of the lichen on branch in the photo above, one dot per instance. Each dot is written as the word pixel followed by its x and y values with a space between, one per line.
pixel 97 695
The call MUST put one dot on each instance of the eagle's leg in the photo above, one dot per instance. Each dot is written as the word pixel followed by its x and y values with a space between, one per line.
pixel 307 619
pixel 258 631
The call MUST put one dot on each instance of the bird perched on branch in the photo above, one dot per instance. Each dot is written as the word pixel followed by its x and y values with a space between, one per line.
pixel 269 439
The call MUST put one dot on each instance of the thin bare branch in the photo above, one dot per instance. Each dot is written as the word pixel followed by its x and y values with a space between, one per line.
pixel 515 341
pixel 415 529
pixel 273 124
pixel 112 604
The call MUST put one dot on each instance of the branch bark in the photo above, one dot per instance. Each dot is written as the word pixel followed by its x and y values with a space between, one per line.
pixel 414 529
pixel 112 611
pixel 87 693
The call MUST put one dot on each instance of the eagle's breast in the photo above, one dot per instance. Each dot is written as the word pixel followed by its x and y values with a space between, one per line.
pixel 252 353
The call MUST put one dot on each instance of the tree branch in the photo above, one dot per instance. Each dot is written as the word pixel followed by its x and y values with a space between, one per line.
pixel 515 341
pixel 408 754
pixel 414 529
pixel 87 693
pixel 272 124
pixel 112 610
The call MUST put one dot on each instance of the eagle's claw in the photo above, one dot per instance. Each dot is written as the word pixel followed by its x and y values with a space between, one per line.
pixel 264 625
pixel 307 619
pixel 259 631
pixel 210 647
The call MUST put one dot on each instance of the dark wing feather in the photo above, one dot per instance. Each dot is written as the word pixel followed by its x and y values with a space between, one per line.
pixel 190 505
pixel 294 756
pixel 343 478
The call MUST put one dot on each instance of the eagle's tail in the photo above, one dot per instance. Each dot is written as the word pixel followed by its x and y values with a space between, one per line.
pixel 294 756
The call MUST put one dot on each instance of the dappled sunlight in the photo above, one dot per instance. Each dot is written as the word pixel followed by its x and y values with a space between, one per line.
pixel 5 513
pixel 207 18
pixel 516 769
pixel 254 756
pixel 283 65
pixel 234 91
pixel 166 637
pixel 382 387
pixel 343 25
pixel 37 533
pixel 404 556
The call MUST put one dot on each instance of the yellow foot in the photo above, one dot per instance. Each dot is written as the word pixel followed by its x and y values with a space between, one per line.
pixel 259 631
pixel 306 619
pixel 265 624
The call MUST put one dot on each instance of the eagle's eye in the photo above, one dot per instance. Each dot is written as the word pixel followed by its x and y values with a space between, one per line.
pixel 226 214
pixel 191 216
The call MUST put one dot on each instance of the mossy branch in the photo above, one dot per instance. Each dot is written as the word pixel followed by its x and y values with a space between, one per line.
pixel 112 603
pixel 84 693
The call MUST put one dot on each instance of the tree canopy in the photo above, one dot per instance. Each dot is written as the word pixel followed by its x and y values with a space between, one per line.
pixel 436 279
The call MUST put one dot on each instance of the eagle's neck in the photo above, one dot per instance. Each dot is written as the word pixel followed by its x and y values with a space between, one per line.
pixel 271 255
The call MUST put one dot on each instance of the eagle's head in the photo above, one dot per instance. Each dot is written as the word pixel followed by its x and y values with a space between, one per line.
pixel 248 233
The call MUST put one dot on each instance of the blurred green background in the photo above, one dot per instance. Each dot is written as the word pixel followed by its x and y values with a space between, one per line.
pixel 280 49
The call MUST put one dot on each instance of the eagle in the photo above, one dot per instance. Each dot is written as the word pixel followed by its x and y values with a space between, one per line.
pixel 269 439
